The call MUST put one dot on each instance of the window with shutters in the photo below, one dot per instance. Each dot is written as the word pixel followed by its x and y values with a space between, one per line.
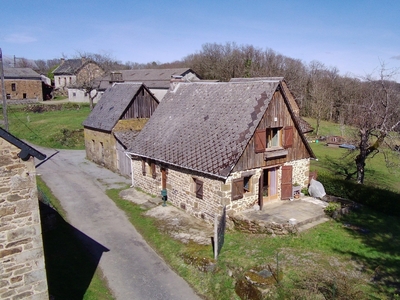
pixel 198 188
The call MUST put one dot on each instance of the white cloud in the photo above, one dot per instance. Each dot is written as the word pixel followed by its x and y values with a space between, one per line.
pixel 19 38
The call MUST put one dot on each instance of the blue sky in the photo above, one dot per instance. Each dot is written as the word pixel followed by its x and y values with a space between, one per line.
pixel 355 36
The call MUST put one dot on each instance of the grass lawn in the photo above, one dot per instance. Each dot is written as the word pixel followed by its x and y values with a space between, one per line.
pixel 72 271
pixel 354 258
pixel 60 129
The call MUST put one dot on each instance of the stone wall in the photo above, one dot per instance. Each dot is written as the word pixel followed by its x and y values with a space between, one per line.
pixel 216 193
pixel 246 225
pixel 24 89
pixel 101 148
pixel 301 171
pixel 181 191
pixel 22 268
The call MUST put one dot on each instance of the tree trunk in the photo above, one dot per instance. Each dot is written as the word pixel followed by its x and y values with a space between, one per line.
pixel 362 156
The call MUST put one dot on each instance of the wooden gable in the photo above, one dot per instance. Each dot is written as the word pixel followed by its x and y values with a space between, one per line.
pixel 292 147
pixel 142 105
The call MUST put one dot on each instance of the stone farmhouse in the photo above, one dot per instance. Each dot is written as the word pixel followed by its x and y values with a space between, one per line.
pixel 22 267
pixel 22 84
pixel 114 123
pixel 235 144
pixel 157 80
pixel 72 73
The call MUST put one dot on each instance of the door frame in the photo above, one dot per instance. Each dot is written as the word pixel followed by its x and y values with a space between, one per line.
pixel 261 197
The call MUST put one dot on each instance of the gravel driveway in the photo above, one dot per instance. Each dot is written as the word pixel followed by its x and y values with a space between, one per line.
pixel 133 270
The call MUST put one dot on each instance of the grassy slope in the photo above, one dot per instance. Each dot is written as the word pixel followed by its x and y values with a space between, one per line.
pixel 366 249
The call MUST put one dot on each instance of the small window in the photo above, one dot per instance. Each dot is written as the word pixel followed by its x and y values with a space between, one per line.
pixel 198 188
pixel 237 189
pixel 8 96
pixel 273 137
pixel 246 184
pixel 24 95
pixel 74 94
pixel 13 87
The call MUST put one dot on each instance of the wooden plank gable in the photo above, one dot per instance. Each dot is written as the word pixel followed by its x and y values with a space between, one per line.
pixel 277 115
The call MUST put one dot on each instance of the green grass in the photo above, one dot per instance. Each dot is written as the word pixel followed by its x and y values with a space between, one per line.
pixel 320 254
pixel 72 271
pixel 61 128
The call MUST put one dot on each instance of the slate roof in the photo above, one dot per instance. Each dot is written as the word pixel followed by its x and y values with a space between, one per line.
pixel 153 78
pixel 126 137
pixel 71 66
pixel 21 73
pixel 26 150
pixel 111 106
pixel 205 127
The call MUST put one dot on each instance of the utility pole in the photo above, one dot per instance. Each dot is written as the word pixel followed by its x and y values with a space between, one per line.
pixel 3 90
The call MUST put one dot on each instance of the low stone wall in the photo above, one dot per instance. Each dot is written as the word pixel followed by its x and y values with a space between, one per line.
pixel 246 225
pixel 22 269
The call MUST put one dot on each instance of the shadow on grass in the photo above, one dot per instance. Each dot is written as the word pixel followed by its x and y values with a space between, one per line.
pixel 380 237
pixel 71 256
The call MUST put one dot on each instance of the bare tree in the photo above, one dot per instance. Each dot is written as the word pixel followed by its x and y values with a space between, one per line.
pixel 376 116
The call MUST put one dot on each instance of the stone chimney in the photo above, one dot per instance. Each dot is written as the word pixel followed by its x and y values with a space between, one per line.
pixel 175 80
pixel 116 77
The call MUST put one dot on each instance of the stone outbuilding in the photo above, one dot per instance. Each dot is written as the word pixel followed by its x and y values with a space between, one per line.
pixel 22 265
pixel 22 84
pixel 72 74
pixel 236 144
pixel 114 123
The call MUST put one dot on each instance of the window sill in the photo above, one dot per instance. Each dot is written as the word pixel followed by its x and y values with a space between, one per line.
pixel 275 152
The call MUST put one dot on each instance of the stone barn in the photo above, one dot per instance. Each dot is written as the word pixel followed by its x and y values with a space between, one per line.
pixel 236 144
pixel 114 123
pixel 22 265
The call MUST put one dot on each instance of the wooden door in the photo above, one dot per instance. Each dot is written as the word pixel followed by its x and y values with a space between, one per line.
pixel 286 182
pixel 123 162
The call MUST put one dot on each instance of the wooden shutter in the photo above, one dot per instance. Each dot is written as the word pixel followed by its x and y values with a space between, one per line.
pixel 144 167
pixel 260 141
pixel 288 137
pixel 237 189
pixel 286 182
pixel 260 190
pixel 199 189
pixel 163 178
pixel 153 169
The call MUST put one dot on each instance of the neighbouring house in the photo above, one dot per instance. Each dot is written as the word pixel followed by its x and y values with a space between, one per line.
pixel 157 80
pixel 22 84
pixel 72 74
pixel 235 144
pixel 114 123
pixel 22 264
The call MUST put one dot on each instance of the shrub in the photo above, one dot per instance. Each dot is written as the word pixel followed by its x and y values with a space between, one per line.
pixel 382 200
